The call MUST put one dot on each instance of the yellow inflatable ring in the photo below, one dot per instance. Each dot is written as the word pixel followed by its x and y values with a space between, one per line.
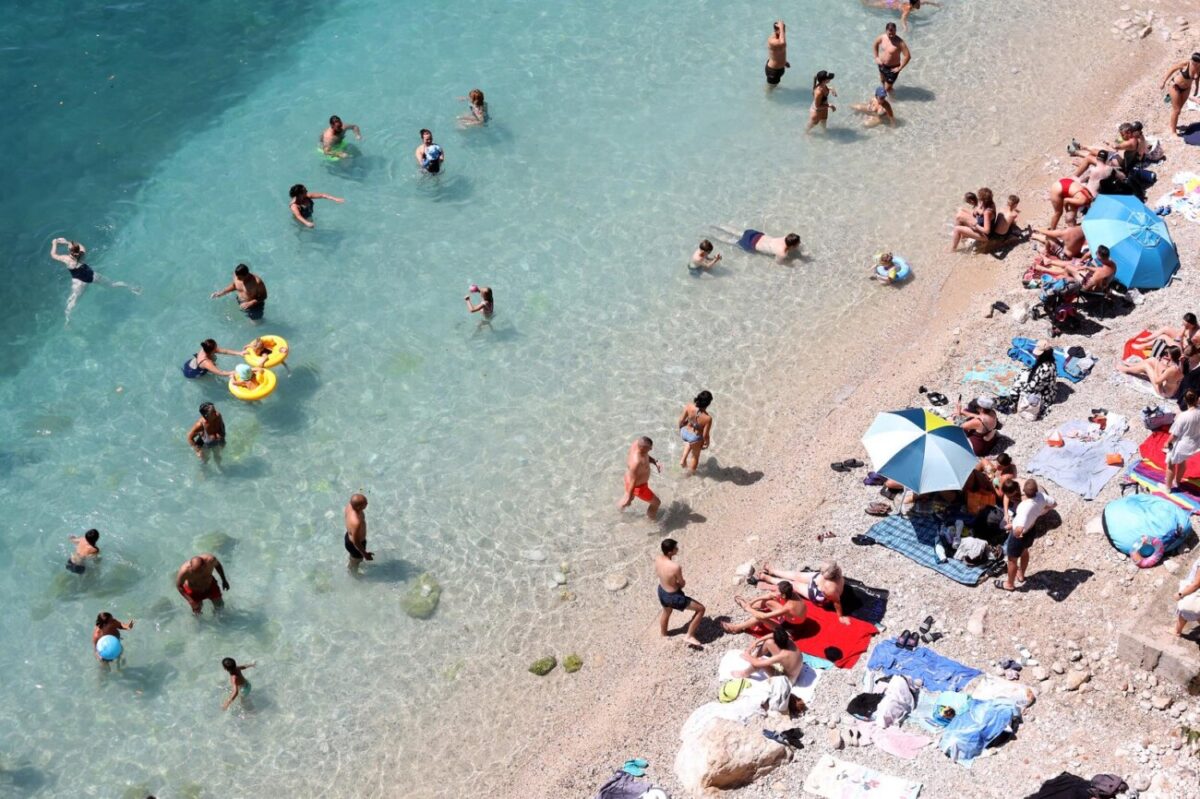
pixel 279 352
pixel 266 385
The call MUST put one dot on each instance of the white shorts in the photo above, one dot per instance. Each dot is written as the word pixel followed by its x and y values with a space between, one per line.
pixel 1189 607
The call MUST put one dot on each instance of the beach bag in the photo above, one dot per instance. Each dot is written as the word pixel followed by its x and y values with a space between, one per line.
pixel 1106 786
pixel 1155 417
pixel 1029 406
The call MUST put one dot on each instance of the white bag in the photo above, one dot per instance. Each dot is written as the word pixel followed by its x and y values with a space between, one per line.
pixel 1029 406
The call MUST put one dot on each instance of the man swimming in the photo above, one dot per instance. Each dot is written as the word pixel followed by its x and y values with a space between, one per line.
pixel 81 273
pixel 429 155
pixel 333 140
pixel 251 291
pixel 637 476
pixel 783 248
pixel 777 61
pixel 355 539
pixel 85 550
pixel 195 582
pixel 208 432
pixel 891 56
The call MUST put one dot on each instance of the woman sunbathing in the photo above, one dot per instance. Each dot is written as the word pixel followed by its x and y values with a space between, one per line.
pixel 770 610
pixel 1179 336
pixel 1165 374
pixel 824 587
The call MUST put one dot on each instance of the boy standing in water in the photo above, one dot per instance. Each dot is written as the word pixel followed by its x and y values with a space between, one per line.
pixel 241 686
pixel 334 137
pixel 85 549
pixel 355 539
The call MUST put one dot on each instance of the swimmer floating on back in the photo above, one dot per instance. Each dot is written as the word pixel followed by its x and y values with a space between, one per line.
pixel 333 140
pixel 302 203
pixel 81 273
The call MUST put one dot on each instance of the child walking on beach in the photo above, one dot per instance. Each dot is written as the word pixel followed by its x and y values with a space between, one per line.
pixel 241 686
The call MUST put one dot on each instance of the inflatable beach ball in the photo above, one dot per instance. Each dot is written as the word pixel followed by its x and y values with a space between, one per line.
pixel 109 647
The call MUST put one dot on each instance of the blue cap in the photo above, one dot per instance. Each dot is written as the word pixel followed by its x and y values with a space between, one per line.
pixel 880 93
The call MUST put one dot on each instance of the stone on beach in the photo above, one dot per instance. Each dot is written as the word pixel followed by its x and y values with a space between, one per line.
pixel 725 754
pixel 975 624
pixel 615 582
pixel 543 666
pixel 1076 678
pixel 572 664
pixel 421 599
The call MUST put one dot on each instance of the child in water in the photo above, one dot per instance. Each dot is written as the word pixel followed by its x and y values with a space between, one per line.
pixel 486 306
pixel 260 348
pixel 246 376
pixel 241 686
pixel 478 112
pixel 885 269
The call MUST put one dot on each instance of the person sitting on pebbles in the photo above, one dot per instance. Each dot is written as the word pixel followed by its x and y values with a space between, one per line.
pixel 823 587
pixel 780 606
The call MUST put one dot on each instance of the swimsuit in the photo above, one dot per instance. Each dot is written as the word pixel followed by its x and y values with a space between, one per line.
pixel 213 592
pixel 256 311
pixel 774 73
pixel 690 432
pixel 305 207
pixel 675 600
pixel 1065 183
pixel 75 568
pixel 814 593
pixel 749 239
pixel 355 552
pixel 83 273
pixel 643 492
pixel 982 443
pixel 192 369
pixel 888 74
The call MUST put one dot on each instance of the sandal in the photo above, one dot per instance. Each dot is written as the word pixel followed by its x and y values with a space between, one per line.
pixel 926 626
pixel 879 509
pixel 839 467
pixel 1000 584
pixel 937 399
pixel 874 479
pixel 890 493
pixel 853 463
pixel 863 540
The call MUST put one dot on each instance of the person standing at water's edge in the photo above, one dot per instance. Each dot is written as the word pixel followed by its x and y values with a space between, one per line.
pixel 429 155
pixel 671 596
pixel 302 203
pixel 333 140
pixel 251 291
pixel 777 61
pixel 195 582
pixel 695 428
pixel 891 56
pixel 355 540
pixel 81 273
pixel 637 476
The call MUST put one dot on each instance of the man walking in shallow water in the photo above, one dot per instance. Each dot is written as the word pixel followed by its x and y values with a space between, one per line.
pixel 637 476
pixel 891 56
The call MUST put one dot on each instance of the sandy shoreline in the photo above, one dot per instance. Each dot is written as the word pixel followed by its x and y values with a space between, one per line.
pixel 632 699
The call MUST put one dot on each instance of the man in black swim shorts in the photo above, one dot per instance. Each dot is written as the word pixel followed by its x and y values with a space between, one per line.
pixel 777 61
pixel 671 596
pixel 355 539
pixel 891 56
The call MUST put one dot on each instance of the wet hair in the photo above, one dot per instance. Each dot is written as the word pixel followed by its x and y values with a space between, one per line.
pixel 782 638
pixel 1189 318
pixel 426 130
pixel 705 246
pixel 241 270
pixel 297 190
pixel 229 664
pixel 1004 459
pixel 970 199
pixel 103 619
pixel 1136 126
pixel 74 248
pixel 1189 398
pixel 1102 155
pixel 1102 251
pixel 475 96
pixel 486 293
pixel 669 545
pixel 1031 487
pixel 646 441
pixel 92 536
pixel 358 501
pixel 791 240
pixel 890 27
pixel 986 199
pixel 333 119
pixel 205 407
pixel 831 571
pixel 915 3
pixel 209 346
pixel 785 590
pixel 703 399
pixel 1013 200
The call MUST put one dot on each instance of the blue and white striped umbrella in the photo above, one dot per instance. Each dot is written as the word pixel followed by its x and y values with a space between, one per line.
pixel 920 450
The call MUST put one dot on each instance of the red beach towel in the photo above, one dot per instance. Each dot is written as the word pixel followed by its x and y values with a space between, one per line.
pixel 822 635
pixel 1154 447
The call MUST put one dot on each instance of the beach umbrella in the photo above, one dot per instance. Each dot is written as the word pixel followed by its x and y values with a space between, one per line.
pixel 1137 238
pixel 920 450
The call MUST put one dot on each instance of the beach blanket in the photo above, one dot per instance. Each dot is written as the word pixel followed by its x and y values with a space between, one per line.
pixel 996 376
pixel 824 636
pixel 1138 346
pixel 735 660
pixel 860 601
pixel 915 537
pixel 1080 464
pixel 936 672
pixel 893 740
pixel 1072 369
pixel 1153 480
pixel 839 779
pixel 1128 519
pixel 930 702
pixel 1154 450
pixel 969 733
pixel 1184 198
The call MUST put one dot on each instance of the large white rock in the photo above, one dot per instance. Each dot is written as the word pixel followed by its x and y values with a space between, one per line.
pixel 726 754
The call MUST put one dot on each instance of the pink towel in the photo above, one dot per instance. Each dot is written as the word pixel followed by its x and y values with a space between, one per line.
pixel 899 743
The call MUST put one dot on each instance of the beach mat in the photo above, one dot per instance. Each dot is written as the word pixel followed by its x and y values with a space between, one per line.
pixel 860 601
pixel 1152 479
pixel 1154 451
pixel 823 636
pixel 838 779
pixel 914 537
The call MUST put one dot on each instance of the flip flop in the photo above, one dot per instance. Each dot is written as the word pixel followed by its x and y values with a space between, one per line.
pixel 937 399
pixel 874 479
pixel 839 467
pixel 889 493
pixel 853 463
pixel 635 767
pixel 863 540
pixel 879 509
pixel 926 625
pixel 1000 584
pixel 902 639
pixel 931 637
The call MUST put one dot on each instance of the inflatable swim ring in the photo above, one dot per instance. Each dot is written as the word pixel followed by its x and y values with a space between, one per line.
pixel 899 272
pixel 266 385
pixel 279 353
pixel 334 150
pixel 1149 553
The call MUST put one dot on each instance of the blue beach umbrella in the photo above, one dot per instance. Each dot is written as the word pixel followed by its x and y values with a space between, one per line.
pixel 1137 238
pixel 920 450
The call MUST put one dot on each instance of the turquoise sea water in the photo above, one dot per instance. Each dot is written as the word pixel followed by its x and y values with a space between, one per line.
pixel 166 137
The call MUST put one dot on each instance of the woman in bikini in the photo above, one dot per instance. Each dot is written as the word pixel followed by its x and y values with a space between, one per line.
pixel 302 203
pixel 781 606
pixel 980 425
pixel 1070 195
pixel 695 428
pixel 980 228
pixel 1184 80
pixel 824 587
pixel 818 112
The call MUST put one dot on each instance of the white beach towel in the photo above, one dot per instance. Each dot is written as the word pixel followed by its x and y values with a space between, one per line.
pixel 838 779
pixel 805 688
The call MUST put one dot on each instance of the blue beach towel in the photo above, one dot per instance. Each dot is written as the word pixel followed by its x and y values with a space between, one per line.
pixel 1081 466
pixel 1068 369
pixel 938 673
pixel 914 537
pixel 969 733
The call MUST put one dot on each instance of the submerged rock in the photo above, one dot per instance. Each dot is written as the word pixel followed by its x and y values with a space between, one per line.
pixel 543 666
pixel 421 599
pixel 572 664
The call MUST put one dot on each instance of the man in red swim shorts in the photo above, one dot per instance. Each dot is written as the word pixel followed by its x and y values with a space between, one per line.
pixel 637 476
pixel 195 582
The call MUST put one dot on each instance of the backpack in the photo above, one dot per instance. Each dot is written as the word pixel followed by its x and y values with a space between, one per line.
pixel 1106 786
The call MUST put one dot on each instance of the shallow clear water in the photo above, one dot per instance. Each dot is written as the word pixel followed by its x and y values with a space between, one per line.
pixel 489 455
